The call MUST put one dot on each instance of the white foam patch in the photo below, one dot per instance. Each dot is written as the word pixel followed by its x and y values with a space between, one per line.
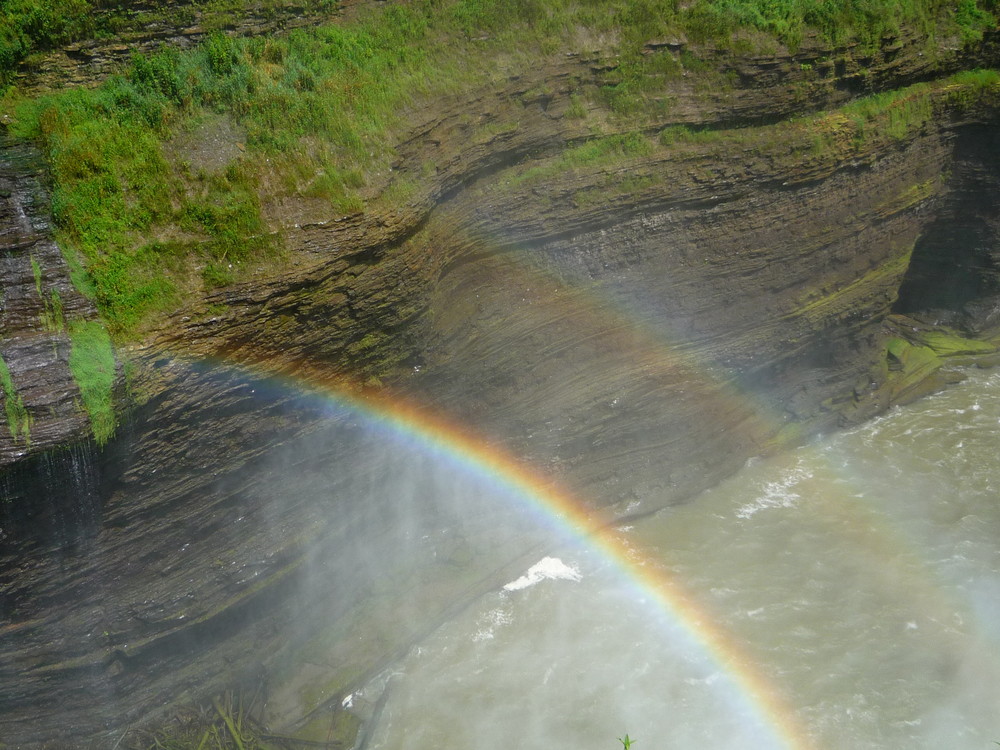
pixel 548 567
pixel 777 494
pixel 488 623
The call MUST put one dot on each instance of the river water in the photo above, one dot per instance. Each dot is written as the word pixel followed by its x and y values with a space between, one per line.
pixel 854 585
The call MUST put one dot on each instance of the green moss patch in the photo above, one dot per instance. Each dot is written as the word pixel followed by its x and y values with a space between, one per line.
pixel 911 370
pixel 18 419
pixel 947 344
pixel 92 362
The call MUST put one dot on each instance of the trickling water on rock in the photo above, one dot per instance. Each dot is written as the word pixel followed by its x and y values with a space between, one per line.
pixel 859 576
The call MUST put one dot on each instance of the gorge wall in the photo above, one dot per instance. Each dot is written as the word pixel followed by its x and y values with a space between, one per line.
pixel 633 329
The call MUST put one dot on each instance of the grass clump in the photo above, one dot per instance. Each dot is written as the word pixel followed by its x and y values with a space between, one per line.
pixel 52 313
pixel 895 114
pixel 607 151
pixel 32 26
pixel 973 86
pixel 92 362
pixel 229 723
pixel 18 419
pixel 683 134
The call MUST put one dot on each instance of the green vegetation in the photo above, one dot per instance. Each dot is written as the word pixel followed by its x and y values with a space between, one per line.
pixel 52 314
pixel 683 134
pixel 32 26
pixel 92 362
pixel 603 152
pixel 973 86
pixel 867 21
pixel 314 116
pixel 18 419
pixel 29 25
pixel 897 115
pixel 228 724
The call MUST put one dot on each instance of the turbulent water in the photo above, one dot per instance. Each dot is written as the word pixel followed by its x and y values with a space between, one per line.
pixel 856 579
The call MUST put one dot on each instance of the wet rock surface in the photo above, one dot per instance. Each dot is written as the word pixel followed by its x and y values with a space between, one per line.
pixel 38 299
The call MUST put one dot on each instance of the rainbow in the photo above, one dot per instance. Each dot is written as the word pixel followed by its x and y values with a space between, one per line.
pixel 596 531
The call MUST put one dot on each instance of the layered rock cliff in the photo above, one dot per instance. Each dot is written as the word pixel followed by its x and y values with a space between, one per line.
pixel 715 285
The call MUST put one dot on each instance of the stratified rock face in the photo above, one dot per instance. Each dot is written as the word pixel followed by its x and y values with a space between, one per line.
pixel 265 515
pixel 38 298
pixel 634 331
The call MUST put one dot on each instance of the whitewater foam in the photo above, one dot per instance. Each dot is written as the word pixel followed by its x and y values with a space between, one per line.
pixel 547 568
pixel 777 494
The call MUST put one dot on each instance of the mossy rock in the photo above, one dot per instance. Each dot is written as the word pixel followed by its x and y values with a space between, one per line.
pixel 911 370
pixel 911 358
pixel 948 345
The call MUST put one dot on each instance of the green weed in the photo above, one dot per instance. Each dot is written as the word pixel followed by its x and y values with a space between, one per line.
pixel 605 152
pixel 229 724
pixel 52 314
pixel 577 109
pixel 18 420
pixel 92 362
pixel 36 271
pixel 684 134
